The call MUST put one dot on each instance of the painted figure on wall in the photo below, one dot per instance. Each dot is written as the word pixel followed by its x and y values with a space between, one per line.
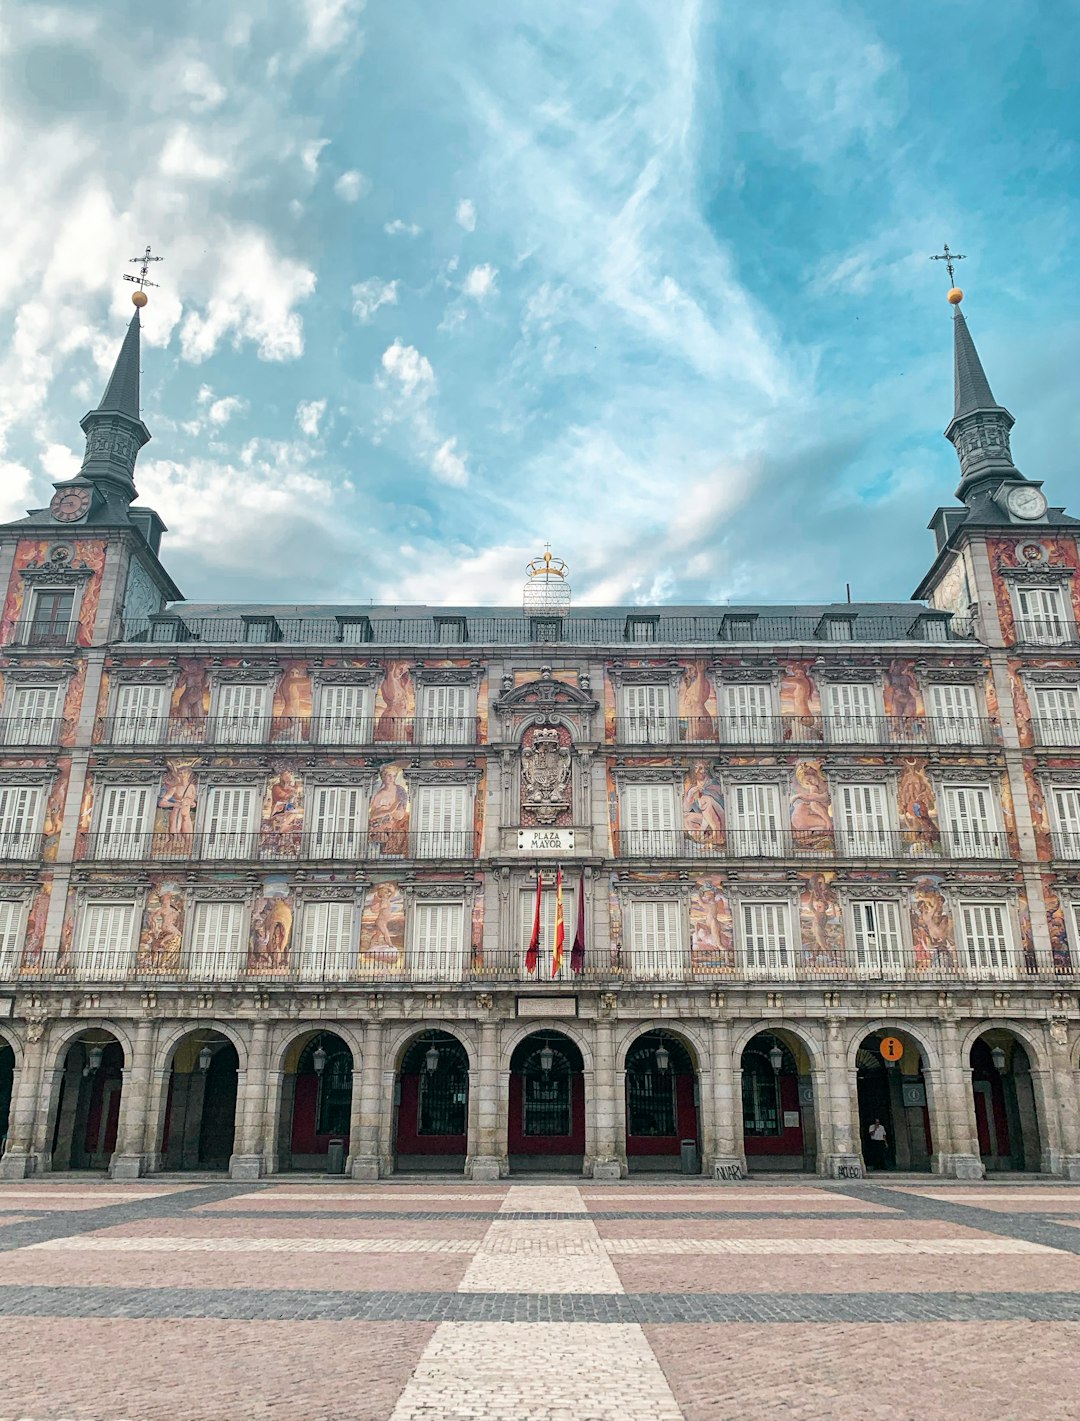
pixel 162 929
pixel 395 703
pixel 821 921
pixel 615 918
pixel 697 702
pixel 476 934
pixel 931 926
pixel 34 939
pixel 712 936
pixel 1055 919
pixel 901 694
pixel 271 933
pixel 282 813
pixel 382 930
pixel 799 703
pixel 388 812
pixel 811 813
pixel 918 809
pixel 191 695
pixel 703 807
pixel 174 822
pixel 54 812
pixel 291 710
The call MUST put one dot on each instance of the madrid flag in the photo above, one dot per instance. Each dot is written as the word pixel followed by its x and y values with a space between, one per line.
pixel 577 952
pixel 533 952
pixel 560 929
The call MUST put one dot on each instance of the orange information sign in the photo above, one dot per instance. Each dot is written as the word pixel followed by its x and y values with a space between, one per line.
pixel 892 1048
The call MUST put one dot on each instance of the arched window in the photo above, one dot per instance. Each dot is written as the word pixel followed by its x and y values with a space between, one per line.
pixel 443 1096
pixel 546 1095
pixel 762 1114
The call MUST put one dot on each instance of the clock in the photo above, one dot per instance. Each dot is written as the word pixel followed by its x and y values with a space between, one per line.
pixel 70 504
pixel 1026 501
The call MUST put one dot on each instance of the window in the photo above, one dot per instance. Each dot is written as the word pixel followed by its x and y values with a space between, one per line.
pixel 852 714
pixel 1057 714
pixel 261 629
pixel 954 714
pixel 327 950
pixel 657 941
pixel 52 612
pixel 451 631
pixel 646 714
pixel 31 715
pixel 748 714
pixel 228 822
pixel 438 944
pixel 217 943
pixel 12 922
pixel 836 628
pixel 123 830
pixel 445 718
pixel 335 820
pixel 139 717
pixel 755 819
pixel 440 822
pixel 20 813
pixel 971 830
pixel 353 631
pixel 241 714
pixel 641 628
pixel 1065 808
pixel 105 941
pixel 760 1096
pixel 344 716
pixel 650 1094
pixel 734 628
pixel 862 819
pixel 986 946
pixel 1040 615
pixel 648 819
pixel 767 947
pixel 876 937
pixel 547 928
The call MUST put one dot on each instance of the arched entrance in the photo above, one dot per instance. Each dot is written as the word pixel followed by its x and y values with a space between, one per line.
pixel 1006 1117
pixel 316 1100
pixel 7 1084
pixel 892 1096
pixel 546 1128
pixel 88 1111
pixel 432 1104
pixel 777 1100
pixel 661 1101
pixel 200 1113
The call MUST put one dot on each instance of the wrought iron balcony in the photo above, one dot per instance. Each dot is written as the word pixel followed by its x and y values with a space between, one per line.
pixel 32 730
pixel 328 732
pixel 811 844
pixel 1045 631
pixel 741 730
pixel 140 846
pixel 44 633
pixel 19 846
pixel 1058 732
pixel 1066 844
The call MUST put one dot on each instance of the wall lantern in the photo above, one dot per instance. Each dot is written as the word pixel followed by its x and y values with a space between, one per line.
pixel 94 1056
pixel 205 1057
pixel 547 1059
pixel 776 1058
pixel 663 1057
pixel 997 1055
pixel 318 1059
pixel 431 1059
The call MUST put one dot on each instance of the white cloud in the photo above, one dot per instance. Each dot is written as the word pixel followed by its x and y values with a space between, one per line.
pixel 480 282
pixel 409 385
pixel 465 216
pixel 15 484
pixel 309 415
pixel 182 157
pixel 331 24
pixel 311 152
pixel 197 81
pixel 411 371
pixel 368 296
pixel 400 228
pixel 221 411
pixel 60 462
pixel 352 186
pixel 253 299
pixel 448 465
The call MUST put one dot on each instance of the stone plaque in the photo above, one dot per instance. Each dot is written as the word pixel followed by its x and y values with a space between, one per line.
pixel 547 1006
pixel 546 841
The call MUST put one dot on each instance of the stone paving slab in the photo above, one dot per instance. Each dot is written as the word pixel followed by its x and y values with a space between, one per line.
pixel 193 1225
pixel 779 1226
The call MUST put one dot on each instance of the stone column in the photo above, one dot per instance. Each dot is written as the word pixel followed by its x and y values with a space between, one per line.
pixel 484 1159
pixel 1065 1090
pixel 839 1151
pixel 721 1107
pixel 367 1112
pixel 609 1153
pixel 958 1155
pixel 129 1157
pixel 247 1161
pixel 27 1107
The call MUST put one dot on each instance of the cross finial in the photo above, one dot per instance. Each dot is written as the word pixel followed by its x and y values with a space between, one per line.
pixel 143 263
pixel 949 258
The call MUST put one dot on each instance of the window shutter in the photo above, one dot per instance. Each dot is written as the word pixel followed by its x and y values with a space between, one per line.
pixel 140 714
pixel 241 714
pixel 646 714
pixel 228 821
pixel 105 942
pixel 878 944
pixel 326 944
pixel 438 946
pixel 336 817
pixel 217 940
pixel 20 820
pixel 1057 714
pixel 33 716
pixel 446 715
pixel 657 951
pixel 12 919
pixel 749 713
pixel 756 809
pixel 852 712
pixel 344 718
pixel 987 939
pixel 441 821
pixel 972 821
pixel 1066 804
pixel 648 818
pixel 547 928
pixel 954 714
pixel 122 827
pixel 1041 613
pixel 864 819
pixel 767 939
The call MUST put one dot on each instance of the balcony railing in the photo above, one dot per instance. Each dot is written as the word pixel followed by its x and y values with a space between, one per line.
pixel 19 846
pixel 1045 631
pixel 1066 844
pixel 32 730
pixel 812 844
pixel 332 732
pixel 339 847
pixel 806 730
pixel 44 634
pixel 1058 732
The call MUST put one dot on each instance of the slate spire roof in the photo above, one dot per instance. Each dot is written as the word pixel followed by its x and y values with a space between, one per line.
pixel 971 387
pixel 122 392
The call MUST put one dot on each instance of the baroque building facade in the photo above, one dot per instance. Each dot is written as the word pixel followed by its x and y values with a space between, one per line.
pixel 279 885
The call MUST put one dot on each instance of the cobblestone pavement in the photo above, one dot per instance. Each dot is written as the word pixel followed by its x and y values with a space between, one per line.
pixel 661 1300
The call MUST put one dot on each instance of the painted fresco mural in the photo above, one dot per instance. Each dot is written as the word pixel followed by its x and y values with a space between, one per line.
pixel 271 929
pixel 712 933
pixel 191 694
pixel 54 812
pixel 697 702
pixel 281 830
pixel 1036 550
pixel 175 811
pixel 916 801
pixel 1060 951
pixel 810 809
pixel 34 552
pixel 931 926
pixel 821 921
pixel 162 934
pixel 615 924
pixel 800 701
pixel 382 931
pixel 476 932
pixel 703 813
pixel 955 589
pixel 901 694
pixel 395 703
pixel 389 811
pixel 33 953
pixel 292 704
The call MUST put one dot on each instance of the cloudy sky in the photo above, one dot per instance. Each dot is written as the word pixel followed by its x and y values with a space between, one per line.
pixel 647 278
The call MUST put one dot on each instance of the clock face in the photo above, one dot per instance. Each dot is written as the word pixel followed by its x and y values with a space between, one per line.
pixel 1026 502
pixel 69 504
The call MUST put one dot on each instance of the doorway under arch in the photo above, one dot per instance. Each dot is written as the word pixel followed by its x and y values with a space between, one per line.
pixel 7 1086
pixel 777 1100
pixel 892 1096
pixel 1006 1116
pixel 88 1110
pixel 432 1096
pixel 546 1128
pixel 200 1111
pixel 661 1102
pixel 316 1100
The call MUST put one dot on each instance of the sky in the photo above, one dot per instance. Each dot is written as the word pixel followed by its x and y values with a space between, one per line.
pixel 646 279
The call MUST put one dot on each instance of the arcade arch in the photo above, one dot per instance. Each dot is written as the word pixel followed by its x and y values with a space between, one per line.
pixel 316 1100
pixel 661 1101
pixel 1006 1114
pixel 199 1128
pixel 779 1129
pixel 431 1101
pixel 88 1104
pixel 892 1094
pixel 546 1123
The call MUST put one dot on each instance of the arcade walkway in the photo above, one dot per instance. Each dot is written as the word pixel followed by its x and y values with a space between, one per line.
pixel 538 1301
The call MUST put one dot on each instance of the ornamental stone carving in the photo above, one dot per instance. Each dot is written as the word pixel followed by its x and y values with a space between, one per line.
pixel 545 777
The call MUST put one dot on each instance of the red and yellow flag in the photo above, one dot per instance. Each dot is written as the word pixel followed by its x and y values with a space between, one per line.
pixel 533 953
pixel 560 929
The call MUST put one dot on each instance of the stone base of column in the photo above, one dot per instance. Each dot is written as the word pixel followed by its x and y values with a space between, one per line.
pixel 246 1167
pixel 609 1169
pixel 486 1168
pixel 127 1166
pixel 18 1165
pixel 843 1167
pixel 364 1167
pixel 959 1166
pixel 725 1169
pixel 1065 1166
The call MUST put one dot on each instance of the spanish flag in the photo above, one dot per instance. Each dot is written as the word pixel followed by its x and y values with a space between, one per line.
pixel 560 929
pixel 533 952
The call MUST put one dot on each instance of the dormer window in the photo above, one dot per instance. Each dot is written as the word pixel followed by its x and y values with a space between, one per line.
pixel 451 631
pixel 836 626
pixel 261 629
pixel 545 628
pixel 641 628
pixel 354 630
pixel 738 626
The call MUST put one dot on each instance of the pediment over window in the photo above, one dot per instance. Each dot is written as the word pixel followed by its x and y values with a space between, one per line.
pixel 545 694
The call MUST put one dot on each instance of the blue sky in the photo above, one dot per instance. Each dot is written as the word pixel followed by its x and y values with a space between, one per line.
pixel 444 281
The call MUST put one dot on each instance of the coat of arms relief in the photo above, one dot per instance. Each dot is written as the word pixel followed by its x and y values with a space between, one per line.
pixel 545 777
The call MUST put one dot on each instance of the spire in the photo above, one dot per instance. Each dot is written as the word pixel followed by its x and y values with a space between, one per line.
pixel 971 387
pixel 122 392
pixel 114 431
pixel 979 428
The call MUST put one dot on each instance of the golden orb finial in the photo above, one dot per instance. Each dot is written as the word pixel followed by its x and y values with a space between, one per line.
pixel 139 298
pixel 955 296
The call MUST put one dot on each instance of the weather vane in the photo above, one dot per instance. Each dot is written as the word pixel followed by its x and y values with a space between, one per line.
pixel 140 298
pixel 944 256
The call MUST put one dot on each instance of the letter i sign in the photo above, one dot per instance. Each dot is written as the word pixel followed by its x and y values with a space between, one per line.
pixel 892 1048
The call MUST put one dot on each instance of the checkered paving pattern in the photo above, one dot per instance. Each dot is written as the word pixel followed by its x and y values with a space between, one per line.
pixel 538 1301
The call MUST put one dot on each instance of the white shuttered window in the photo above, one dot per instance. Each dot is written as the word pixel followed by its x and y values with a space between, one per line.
pixel 438 943
pixel 987 939
pixel 241 714
pixel 748 717
pixel 1065 801
pixel 547 928
pixel 767 947
pixel 1041 614
pixel 862 818
pixel 124 821
pixel 648 819
pixel 876 937
pixel 327 950
pixel 852 712
pixel 971 830
pixel 954 714
pixel 20 821
pixel 440 821
pixel 755 819
pixel 646 714
pixel 105 942
pixel 336 821
pixel 229 822
pixel 12 923
pixel 444 715
pixel 139 716
pixel 217 943
pixel 32 717
pixel 657 940
pixel 344 715
pixel 1057 714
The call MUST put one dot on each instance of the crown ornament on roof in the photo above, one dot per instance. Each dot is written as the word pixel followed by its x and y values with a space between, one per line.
pixel 547 585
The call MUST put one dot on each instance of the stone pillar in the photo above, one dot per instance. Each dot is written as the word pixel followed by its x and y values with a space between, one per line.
pixel 609 1152
pixel 20 1158
pixel 160 1078
pixel 367 1111
pixel 1066 1091
pixel 838 1152
pixel 721 1107
pixel 129 1157
pixel 248 1158
pixel 485 1159
pixel 958 1155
